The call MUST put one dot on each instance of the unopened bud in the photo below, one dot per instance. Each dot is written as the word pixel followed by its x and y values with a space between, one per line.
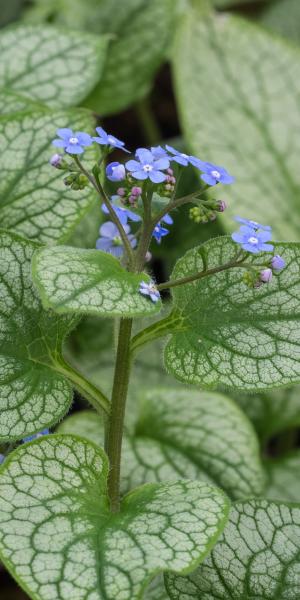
pixel 277 263
pixel 56 161
pixel 121 192
pixel 222 205
pixel 266 276
pixel 136 191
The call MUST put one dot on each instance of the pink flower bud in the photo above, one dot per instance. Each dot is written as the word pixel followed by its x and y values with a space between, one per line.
pixel 136 191
pixel 222 205
pixel 266 275
pixel 170 171
pixel 121 192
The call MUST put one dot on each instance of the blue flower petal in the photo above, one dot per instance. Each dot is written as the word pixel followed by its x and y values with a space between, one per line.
pixel 157 176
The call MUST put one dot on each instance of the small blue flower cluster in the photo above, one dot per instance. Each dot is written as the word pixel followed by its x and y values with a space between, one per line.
pixel 148 164
pixel 254 237
pixel 35 436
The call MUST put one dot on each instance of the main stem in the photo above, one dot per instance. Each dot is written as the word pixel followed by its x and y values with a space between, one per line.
pixel 117 412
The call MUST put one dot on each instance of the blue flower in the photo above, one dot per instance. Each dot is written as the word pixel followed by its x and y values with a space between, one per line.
pixel 159 232
pixel 252 240
pixel 158 152
pixel 115 171
pixel 252 224
pixel 72 142
pixel 184 159
pixel 147 167
pixel 35 436
pixel 105 139
pixel 277 263
pixel 167 219
pixel 214 174
pixel 111 241
pixel 123 213
pixel 149 289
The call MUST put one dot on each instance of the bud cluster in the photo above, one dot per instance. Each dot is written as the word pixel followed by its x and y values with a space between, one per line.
pixel 129 195
pixel 256 279
pixel 207 211
pixel 76 181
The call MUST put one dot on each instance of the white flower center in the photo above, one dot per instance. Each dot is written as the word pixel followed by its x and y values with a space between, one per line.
pixel 73 140
pixel 184 155
pixel 117 241
pixel 110 139
pixel 253 240
pixel 147 168
pixel 216 174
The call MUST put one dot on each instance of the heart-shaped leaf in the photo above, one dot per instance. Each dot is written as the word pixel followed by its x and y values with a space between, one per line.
pixel 231 334
pixel 32 394
pixel 89 282
pixel 184 433
pixel 143 32
pixel 33 198
pixel 238 88
pixel 257 558
pixel 61 540
pixel 283 476
pixel 54 66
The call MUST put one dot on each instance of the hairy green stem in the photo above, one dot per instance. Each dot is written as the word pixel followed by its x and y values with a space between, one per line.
pixel 115 426
pixel 96 183
pixel 201 274
pixel 95 396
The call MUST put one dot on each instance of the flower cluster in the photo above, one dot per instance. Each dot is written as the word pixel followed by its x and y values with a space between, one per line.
pixel 254 238
pixel 152 165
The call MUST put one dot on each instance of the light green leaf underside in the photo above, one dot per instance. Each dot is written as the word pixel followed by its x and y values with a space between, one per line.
pixel 257 558
pixel 32 395
pixel 33 198
pixel 60 541
pixel 51 65
pixel 283 16
pixel 183 433
pixel 89 282
pixel 233 335
pixel 143 33
pixel 238 89
pixel 284 478
pixel 273 411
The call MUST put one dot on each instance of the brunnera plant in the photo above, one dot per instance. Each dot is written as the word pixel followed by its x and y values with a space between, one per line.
pixel 80 519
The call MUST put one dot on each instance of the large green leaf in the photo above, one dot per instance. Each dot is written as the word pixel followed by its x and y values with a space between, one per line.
pixel 33 198
pixel 89 282
pixel 257 558
pixel 283 16
pixel 228 333
pixel 273 411
pixel 143 34
pixel 182 433
pixel 32 394
pixel 61 541
pixel 237 87
pixel 284 478
pixel 51 65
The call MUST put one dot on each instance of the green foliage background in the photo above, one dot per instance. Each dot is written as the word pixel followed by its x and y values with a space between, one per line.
pixel 221 80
